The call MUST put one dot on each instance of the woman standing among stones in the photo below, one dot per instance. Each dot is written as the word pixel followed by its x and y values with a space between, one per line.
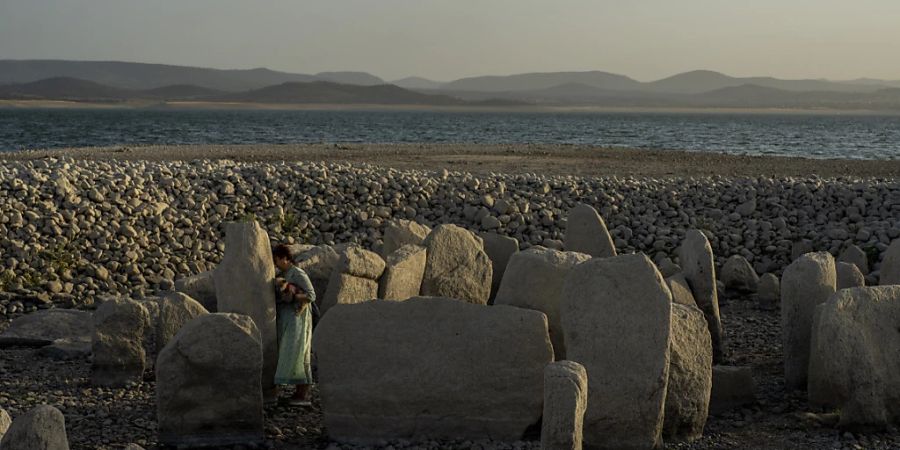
pixel 294 318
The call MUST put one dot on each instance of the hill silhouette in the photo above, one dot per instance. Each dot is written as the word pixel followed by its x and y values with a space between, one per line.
pixel 327 92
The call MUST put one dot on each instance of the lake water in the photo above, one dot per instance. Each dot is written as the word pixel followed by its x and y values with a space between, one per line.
pixel 818 136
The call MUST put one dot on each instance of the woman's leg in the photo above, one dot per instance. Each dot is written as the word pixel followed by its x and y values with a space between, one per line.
pixel 301 392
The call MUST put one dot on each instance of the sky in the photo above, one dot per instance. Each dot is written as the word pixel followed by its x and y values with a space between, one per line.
pixel 450 39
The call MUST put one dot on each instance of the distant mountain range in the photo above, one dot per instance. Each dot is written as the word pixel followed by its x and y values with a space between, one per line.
pixel 97 81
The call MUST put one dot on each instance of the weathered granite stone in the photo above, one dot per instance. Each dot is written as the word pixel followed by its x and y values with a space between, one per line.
pixel 681 291
pixel 360 262
pixel 890 265
pixel 457 370
pixel 586 233
pixel 118 343
pixel 456 265
pixel 354 279
pixel 208 385
pixel 855 255
pixel 616 321
pixel 848 275
pixel 42 428
pixel 732 387
pixel 739 275
pixel 565 400
pixel 403 277
pixel 769 293
pixel 697 261
pixel 5 422
pixel 200 287
pixel 499 249
pixel 175 310
pixel 45 326
pixel 398 233
pixel 690 375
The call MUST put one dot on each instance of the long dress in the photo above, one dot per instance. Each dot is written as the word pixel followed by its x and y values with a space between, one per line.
pixel 295 333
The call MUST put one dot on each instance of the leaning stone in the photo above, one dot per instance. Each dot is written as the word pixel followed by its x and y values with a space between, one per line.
pixel 485 382
pixel 854 362
pixel 806 283
pixel 890 265
pixel 732 387
pixel 690 375
pixel 346 289
pixel 46 326
pixel 534 280
pixel 586 233
pixel 499 249
pixel 769 294
pixel 456 265
pixel 739 275
pixel 616 321
pixel 697 261
pixel 208 385
pixel 175 310
pixel 245 285
pixel 42 428
pixel 398 233
pixel 855 255
pixel 565 400
pixel 848 275
pixel 681 291
pixel 403 277
pixel 117 343
pixel 200 287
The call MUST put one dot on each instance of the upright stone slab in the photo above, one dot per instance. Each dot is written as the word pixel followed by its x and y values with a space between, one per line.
pixel 175 310
pixel 698 263
pixel 245 285
pixel 586 233
pixel 681 291
pixel 118 343
pixel 398 233
pixel 354 279
pixel 806 283
pixel 565 400
pixel 208 383
pixel 855 255
pixel 890 265
pixel 534 280
pixel 769 294
pixel 42 428
pixel 402 278
pixel 690 375
pixel 430 368
pixel 499 249
pixel 616 321
pixel 848 275
pixel 739 275
pixel 456 265
pixel 200 287
pixel 855 362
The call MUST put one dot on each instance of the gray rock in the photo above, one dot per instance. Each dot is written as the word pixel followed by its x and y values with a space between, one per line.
pixel 732 388
pixel 46 326
pixel 42 428
pixel 668 268
pixel 5 422
pixel 769 293
pixel 398 233
pixel 360 262
pixel 586 232
pixel 565 400
pixel 66 349
pixel 616 321
pixel 175 310
pixel 738 274
pixel 499 249
pixel 485 382
pixel 855 255
pixel 848 275
pixel 698 263
pixel 208 383
pixel 456 266
pixel 890 265
pixel 118 343
pixel 200 287
pixel 319 263
pixel 690 375
pixel 346 289
pixel 681 291
pixel 403 277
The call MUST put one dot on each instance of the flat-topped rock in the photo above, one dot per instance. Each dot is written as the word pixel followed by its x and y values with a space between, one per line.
pixel 586 232
pixel 456 265
pixel 45 326
pixel 360 262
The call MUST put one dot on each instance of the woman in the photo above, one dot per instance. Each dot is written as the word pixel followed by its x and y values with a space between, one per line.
pixel 294 319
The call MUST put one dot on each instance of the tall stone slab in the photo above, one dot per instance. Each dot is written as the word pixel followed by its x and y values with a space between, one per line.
pixel 354 279
pixel 805 284
pixel 42 428
pixel 499 249
pixel 456 265
pixel 586 232
pixel 430 368
pixel 690 375
pixel 565 400
pixel 698 263
pixel 402 278
pixel 890 265
pixel 245 285
pixel 117 344
pixel 534 280
pixel 616 321
pixel 208 384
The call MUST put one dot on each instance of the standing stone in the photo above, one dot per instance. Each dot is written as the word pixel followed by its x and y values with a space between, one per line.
pixel 402 278
pixel 848 275
pixel 118 343
pixel 398 233
pixel 208 385
pixel 616 321
pixel 354 279
pixel 681 291
pixel 175 310
pixel 499 249
pixel 318 263
pixel 697 261
pixel 732 388
pixel 586 233
pixel 431 368
pixel 42 428
pixel 738 274
pixel 855 255
pixel 534 280
pixel 5 422
pixel 200 287
pixel 245 285
pixel 456 265
pixel 806 283
pixel 769 294
pixel 855 362
pixel 690 375
pixel 565 400
pixel 890 265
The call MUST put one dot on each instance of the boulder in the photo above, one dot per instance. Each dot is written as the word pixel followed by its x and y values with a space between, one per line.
pixel 739 275
pixel 565 400
pixel 456 265
pixel 616 321
pixel 245 285
pixel 854 362
pixel 175 310
pixel 318 263
pixel 208 383
pixel 681 291
pixel 890 265
pixel 732 387
pixel 855 255
pixel 200 287
pixel 534 280
pixel 499 249
pixel 5 422
pixel 769 294
pixel 42 428
pixel 698 263
pixel 586 233
pixel 806 283
pixel 360 262
pixel 848 275
pixel 398 233
pixel 403 277
pixel 45 326
pixel 346 289
pixel 431 368
pixel 690 375
pixel 118 343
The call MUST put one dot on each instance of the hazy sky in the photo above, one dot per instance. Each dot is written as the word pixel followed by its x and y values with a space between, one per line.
pixel 448 39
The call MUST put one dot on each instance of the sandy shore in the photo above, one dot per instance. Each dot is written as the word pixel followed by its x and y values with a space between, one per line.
pixel 521 158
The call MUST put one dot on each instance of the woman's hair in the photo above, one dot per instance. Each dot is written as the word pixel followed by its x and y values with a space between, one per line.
pixel 282 251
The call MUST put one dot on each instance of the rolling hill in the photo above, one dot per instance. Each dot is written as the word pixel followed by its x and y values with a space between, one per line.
pixel 327 92
pixel 535 81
